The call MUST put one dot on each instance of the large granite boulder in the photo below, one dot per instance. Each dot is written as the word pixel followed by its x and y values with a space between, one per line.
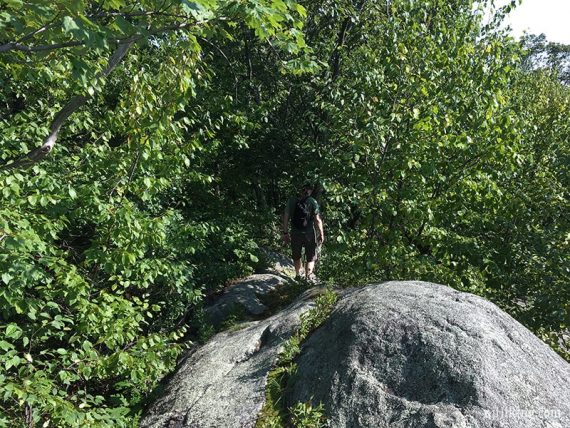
pixel 222 384
pixel 415 354
pixel 396 354
pixel 246 296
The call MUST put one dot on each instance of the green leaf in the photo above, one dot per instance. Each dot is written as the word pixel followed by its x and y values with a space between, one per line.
pixel 6 346
pixel 69 24
pixel 13 331
pixel 72 192
pixel 113 4
pixel 12 362
pixel 14 3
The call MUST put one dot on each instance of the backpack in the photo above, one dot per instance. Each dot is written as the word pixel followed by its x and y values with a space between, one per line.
pixel 302 214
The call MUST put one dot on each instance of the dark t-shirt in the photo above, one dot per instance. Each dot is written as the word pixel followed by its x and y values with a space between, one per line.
pixel 290 209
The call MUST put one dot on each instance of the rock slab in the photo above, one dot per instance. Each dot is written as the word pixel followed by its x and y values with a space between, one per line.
pixel 415 354
pixel 245 295
pixel 222 384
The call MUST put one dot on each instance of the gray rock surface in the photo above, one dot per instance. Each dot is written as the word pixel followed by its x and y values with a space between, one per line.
pixel 244 295
pixel 415 354
pixel 279 262
pixel 222 384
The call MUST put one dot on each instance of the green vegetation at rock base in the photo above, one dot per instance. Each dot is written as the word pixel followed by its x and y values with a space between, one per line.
pixel 275 412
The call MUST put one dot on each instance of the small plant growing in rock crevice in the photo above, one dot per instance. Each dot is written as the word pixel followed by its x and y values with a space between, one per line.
pixel 305 415
pixel 274 412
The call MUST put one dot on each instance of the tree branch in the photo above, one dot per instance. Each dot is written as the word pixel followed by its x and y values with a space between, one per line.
pixel 72 106
pixel 39 30
pixel 335 58
pixel 13 46
pixel 77 101
pixel 236 79
pixel 50 47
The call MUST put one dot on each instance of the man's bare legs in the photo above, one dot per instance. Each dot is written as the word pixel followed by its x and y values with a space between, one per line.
pixel 309 267
pixel 297 263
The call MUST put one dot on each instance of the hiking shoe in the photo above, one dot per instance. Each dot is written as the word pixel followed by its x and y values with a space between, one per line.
pixel 312 279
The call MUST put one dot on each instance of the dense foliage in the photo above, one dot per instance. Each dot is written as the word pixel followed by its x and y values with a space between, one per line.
pixel 107 244
pixel 173 132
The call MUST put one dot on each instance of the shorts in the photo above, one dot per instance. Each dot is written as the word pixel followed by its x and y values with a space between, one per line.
pixel 307 240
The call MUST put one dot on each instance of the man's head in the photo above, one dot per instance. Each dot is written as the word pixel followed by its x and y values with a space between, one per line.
pixel 307 189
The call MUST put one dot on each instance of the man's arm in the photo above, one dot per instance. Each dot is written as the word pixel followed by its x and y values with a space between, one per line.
pixel 319 223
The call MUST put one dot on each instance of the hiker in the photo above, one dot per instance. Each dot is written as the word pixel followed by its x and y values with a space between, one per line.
pixel 303 211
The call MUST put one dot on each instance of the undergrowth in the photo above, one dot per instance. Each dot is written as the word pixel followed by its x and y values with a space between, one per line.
pixel 275 413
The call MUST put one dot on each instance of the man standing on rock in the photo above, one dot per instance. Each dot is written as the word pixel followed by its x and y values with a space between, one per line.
pixel 303 211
